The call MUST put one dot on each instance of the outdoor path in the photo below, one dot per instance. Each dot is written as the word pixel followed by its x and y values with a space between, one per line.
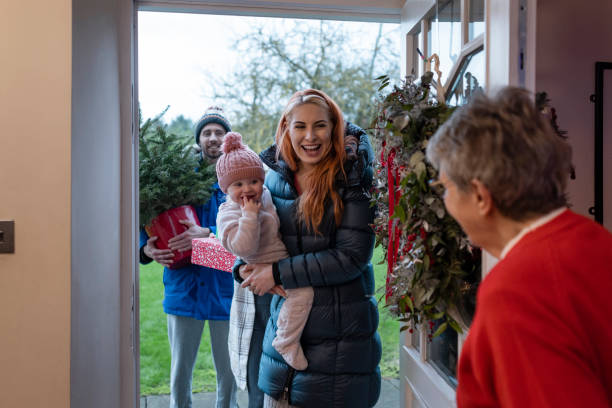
pixel 389 398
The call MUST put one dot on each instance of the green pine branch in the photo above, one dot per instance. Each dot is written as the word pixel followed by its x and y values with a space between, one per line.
pixel 171 173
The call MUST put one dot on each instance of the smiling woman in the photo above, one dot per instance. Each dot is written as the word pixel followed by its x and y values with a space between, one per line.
pixel 310 132
pixel 314 124
pixel 323 204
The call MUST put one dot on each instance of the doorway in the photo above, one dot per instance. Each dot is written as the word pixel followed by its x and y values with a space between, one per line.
pixel 214 75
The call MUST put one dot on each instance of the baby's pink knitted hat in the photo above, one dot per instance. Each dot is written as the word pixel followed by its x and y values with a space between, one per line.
pixel 237 162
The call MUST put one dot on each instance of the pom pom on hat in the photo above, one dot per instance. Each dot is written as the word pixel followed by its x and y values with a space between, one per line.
pixel 232 141
pixel 237 162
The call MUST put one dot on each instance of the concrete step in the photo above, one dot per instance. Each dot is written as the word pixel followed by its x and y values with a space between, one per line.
pixel 389 398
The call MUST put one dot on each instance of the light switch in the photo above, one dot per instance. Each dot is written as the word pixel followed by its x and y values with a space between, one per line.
pixel 7 237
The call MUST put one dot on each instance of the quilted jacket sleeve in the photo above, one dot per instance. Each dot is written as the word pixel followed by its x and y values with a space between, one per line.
pixel 349 252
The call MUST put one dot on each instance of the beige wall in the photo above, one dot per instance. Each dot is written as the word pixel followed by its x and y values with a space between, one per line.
pixel 35 43
pixel 570 39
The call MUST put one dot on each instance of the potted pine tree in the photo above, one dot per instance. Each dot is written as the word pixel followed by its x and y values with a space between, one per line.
pixel 172 181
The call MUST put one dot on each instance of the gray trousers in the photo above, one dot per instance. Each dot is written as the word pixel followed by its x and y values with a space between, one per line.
pixel 185 334
pixel 262 314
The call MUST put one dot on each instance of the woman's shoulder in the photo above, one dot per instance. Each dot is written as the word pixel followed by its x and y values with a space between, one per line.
pixel 274 163
pixel 278 175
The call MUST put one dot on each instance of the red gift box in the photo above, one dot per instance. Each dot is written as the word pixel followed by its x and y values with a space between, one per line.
pixel 210 253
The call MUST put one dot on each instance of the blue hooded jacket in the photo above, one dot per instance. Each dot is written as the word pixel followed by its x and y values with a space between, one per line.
pixel 197 291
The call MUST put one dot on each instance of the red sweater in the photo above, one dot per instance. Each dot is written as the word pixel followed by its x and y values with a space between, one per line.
pixel 542 333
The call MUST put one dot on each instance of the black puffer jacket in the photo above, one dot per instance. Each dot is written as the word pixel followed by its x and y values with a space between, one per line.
pixel 340 340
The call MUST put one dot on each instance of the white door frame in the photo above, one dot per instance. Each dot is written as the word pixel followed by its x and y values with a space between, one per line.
pixel 511 41
pixel 129 346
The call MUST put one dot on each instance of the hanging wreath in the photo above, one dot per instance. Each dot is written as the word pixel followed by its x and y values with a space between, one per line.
pixel 431 264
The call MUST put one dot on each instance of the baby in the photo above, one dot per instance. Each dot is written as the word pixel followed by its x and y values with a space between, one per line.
pixel 248 226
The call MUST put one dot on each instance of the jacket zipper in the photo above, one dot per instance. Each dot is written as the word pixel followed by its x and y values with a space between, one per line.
pixel 337 310
pixel 287 387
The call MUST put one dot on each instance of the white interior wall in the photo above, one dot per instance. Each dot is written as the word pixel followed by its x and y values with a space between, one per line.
pixel 607 151
pixel 102 372
pixel 570 39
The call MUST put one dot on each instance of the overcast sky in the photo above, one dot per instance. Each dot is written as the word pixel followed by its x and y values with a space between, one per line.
pixel 177 52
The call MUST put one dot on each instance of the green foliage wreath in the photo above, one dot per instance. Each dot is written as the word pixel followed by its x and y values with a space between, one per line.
pixel 431 263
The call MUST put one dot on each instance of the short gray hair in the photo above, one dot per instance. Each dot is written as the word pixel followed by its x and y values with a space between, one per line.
pixel 509 146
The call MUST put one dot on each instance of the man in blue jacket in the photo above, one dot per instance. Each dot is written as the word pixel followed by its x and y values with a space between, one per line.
pixel 194 293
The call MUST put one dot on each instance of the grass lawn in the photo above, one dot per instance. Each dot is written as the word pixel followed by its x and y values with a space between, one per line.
pixel 155 352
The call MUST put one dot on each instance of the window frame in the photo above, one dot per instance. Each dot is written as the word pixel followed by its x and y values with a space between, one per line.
pixel 417 65
pixel 422 384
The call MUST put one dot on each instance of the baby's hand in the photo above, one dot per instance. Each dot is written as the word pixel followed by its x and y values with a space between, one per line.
pixel 250 205
pixel 351 146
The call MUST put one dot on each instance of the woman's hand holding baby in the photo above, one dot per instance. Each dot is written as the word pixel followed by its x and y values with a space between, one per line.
pixel 261 280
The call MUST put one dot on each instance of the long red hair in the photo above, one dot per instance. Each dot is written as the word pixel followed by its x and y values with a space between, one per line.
pixel 320 184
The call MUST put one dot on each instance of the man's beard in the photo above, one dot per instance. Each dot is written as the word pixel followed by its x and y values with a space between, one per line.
pixel 209 157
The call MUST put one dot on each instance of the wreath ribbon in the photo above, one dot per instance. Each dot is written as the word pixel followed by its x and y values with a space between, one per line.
pixel 394 230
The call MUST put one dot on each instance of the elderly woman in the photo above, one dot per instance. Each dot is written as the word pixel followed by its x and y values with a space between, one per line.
pixel 541 335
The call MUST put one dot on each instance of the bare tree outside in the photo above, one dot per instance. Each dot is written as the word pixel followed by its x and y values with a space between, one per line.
pixel 278 62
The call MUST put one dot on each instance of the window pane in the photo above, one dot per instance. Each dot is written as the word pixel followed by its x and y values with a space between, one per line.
pixel 476 23
pixel 445 35
pixel 470 79
pixel 416 338
pixel 442 354
pixel 431 22
pixel 416 40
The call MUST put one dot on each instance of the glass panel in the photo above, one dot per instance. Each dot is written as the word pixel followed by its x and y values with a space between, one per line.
pixel 469 79
pixel 476 24
pixel 445 35
pixel 442 354
pixel 420 41
pixel 416 339
pixel 416 40
pixel 431 22
pixel 467 302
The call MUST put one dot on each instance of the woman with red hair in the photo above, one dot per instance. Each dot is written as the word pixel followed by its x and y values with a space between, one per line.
pixel 321 194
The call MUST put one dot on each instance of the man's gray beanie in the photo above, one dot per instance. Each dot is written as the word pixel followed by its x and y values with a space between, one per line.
pixel 212 115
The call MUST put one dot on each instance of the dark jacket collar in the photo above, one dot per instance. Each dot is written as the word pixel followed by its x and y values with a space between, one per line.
pixel 268 156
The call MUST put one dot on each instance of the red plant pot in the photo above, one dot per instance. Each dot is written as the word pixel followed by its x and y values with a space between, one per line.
pixel 166 225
